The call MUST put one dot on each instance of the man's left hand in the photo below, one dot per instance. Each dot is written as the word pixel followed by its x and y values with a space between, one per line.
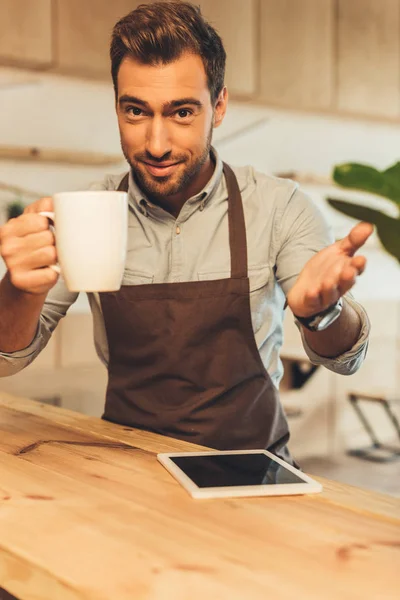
pixel 329 274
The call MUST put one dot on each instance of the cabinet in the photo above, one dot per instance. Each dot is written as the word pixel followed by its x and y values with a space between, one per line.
pixel 330 56
pixel 26 33
pixel 83 33
pixel 368 65
pixel 236 23
pixel 296 53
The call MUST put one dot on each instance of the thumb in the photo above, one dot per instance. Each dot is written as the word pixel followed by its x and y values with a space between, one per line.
pixel 43 204
pixel 356 238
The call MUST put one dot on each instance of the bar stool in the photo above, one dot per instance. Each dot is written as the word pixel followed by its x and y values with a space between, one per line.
pixel 377 452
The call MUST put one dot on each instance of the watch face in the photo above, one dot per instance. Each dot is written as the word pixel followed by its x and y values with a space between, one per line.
pixel 329 318
pixel 322 321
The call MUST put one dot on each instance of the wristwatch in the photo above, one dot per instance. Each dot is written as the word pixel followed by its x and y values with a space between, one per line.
pixel 323 319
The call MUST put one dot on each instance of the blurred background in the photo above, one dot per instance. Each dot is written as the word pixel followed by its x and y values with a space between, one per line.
pixel 313 83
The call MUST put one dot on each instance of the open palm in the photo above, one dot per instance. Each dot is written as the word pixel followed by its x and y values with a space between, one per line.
pixel 329 274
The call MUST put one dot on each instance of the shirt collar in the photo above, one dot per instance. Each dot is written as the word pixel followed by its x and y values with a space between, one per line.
pixel 138 198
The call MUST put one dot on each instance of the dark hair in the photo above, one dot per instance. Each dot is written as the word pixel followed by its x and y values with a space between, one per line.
pixel 159 33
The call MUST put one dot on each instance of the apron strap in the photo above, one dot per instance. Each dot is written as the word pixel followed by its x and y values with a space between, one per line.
pixel 237 225
pixel 124 184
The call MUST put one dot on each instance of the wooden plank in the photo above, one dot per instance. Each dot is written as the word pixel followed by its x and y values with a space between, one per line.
pixel 100 546
pixel 54 155
pixel 39 416
pixel 368 67
pixel 236 22
pixel 50 523
pixel 360 500
pixel 142 439
pixel 25 32
pixel 43 415
pixel 84 33
pixel 296 68
pixel 97 521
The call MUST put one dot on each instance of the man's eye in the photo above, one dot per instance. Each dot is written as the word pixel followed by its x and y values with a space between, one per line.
pixel 134 110
pixel 183 113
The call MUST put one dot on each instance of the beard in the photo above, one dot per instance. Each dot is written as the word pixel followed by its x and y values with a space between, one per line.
pixel 162 187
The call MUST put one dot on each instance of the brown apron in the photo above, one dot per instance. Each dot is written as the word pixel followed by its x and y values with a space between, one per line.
pixel 184 360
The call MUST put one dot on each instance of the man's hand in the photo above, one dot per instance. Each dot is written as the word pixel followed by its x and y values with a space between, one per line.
pixel 28 248
pixel 329 274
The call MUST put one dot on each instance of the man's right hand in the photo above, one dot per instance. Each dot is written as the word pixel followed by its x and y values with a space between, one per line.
pixel 28 248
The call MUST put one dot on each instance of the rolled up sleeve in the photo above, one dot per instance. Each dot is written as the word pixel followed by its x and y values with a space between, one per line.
pixel 348 362
pixel 304 232
pixel 55 307
pixel 11 363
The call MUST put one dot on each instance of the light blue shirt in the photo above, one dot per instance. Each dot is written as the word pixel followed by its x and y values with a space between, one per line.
pixel 284 230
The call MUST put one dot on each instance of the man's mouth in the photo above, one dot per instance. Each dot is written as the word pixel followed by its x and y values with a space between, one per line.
pixel 161 169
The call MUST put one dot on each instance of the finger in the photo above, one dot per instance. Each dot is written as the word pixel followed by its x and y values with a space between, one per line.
pixel 43 204
pixel 43 257
pixel 24 225
pixel 31 280
pixel 329 293
pixel 359 263
pixel 347 279
pixel 356 238
pixel 23 245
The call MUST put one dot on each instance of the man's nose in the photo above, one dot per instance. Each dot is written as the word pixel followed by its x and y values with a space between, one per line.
pixel 158 140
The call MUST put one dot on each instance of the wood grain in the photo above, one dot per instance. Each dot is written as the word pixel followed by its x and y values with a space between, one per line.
pixel 296 67
pixel 368 68
pixel 54 155
pixel 83 33
pixel 92 515
pixel 236 22
pixel 25 33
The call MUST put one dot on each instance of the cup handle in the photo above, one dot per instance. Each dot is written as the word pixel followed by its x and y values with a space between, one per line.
pixel 50 216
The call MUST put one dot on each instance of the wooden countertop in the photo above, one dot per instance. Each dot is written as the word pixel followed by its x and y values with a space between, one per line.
pixel 87 512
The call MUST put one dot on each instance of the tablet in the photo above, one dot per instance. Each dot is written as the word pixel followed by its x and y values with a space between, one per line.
pixel 234 473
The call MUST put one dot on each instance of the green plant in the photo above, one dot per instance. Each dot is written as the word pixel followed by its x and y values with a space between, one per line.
pixel 14 209
pixel 383 183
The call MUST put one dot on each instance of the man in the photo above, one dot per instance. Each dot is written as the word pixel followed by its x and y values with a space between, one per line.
pixel 191 340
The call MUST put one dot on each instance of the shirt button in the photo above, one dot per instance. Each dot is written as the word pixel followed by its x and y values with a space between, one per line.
pixel 178 230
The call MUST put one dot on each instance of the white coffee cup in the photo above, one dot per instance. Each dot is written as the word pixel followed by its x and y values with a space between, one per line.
pixel 91 231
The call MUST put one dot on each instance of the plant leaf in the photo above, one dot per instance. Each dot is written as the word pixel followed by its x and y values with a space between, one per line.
pixel 392 175
pixel 368 179
pixel 388 228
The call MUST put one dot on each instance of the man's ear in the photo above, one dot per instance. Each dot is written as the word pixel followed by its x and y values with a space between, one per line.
pixel 220 107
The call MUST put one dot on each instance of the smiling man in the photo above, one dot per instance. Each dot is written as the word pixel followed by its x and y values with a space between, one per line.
pixel 191 340
pixel 166 118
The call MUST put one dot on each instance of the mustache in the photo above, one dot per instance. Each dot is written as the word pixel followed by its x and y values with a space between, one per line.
pixel 168 156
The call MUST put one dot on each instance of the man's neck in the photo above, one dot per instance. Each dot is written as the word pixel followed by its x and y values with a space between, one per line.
pixel 173 204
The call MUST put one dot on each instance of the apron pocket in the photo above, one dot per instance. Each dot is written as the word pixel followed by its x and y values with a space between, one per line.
pixel 259 276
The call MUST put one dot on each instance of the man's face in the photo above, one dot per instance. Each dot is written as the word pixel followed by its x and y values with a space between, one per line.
pixel 165 118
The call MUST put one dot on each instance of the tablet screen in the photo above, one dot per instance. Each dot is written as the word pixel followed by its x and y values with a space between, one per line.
pixel 229 470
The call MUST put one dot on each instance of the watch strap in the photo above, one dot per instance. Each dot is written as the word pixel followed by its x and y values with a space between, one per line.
pixel 322 320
